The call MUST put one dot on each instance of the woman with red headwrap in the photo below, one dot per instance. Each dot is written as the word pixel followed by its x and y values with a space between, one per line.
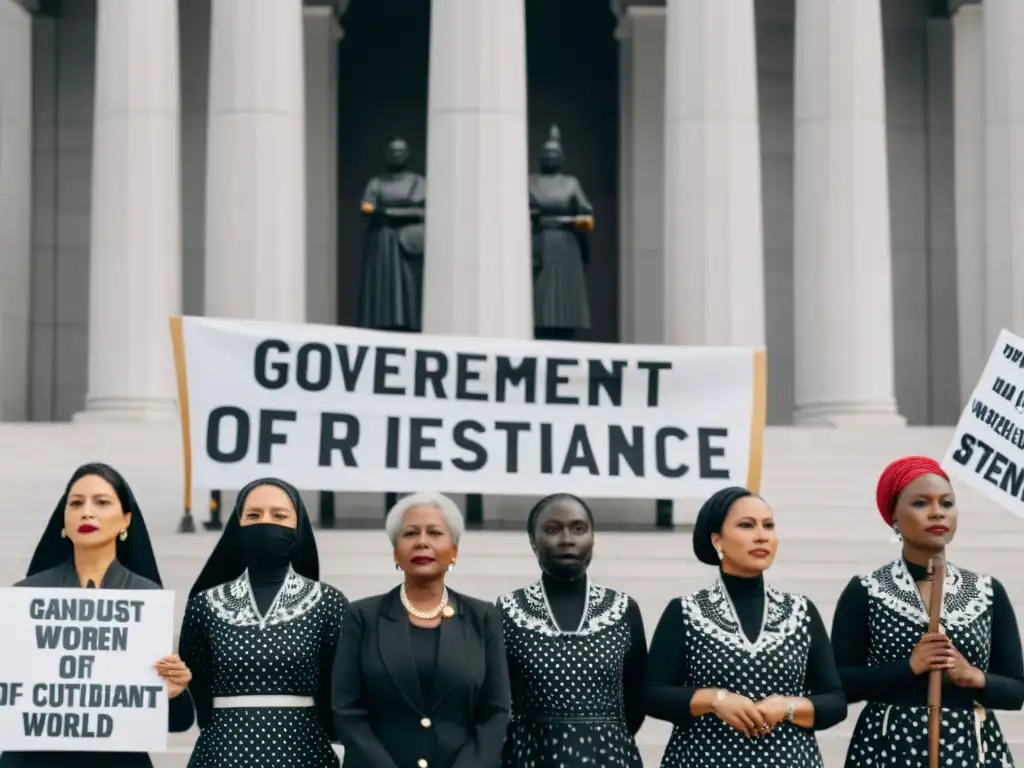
pixel 884 652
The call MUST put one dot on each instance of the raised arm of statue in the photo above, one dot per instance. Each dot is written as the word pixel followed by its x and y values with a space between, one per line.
pixel 371 197
pixel 584 210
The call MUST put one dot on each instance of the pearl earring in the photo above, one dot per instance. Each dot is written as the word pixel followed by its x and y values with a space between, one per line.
pixel 721 555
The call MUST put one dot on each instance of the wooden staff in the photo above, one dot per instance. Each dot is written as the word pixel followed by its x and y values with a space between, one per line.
pixel 937 577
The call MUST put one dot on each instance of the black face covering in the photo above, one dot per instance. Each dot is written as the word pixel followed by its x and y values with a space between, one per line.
pixel 266 547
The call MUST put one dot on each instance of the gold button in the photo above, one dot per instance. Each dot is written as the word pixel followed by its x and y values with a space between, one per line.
pixel 425 722
pixel 421 763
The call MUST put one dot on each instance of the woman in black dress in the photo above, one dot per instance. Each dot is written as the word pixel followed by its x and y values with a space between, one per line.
pixel 743 671
pixel 421 678
pixel 259 634
pixel 97 538
pixel 576 653
pixel 885 652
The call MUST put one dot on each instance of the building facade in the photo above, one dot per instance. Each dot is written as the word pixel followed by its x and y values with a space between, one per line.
pixel 840 181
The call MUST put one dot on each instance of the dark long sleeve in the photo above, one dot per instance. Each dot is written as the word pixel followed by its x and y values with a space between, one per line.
pixel 194 651
pixel 822 678
pixel 494 705
pixel 635 668
pixel 351 719
pixel 665 694
pixel 1004 678
pixel 850 641
pixel 331 635
pixel 181 713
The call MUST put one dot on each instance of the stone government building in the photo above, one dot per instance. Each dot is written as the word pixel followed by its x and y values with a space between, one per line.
pixel 838 179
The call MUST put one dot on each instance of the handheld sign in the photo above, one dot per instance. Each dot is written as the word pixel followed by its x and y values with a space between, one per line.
pixel 340 408
pixel 76 671
pixel 987 451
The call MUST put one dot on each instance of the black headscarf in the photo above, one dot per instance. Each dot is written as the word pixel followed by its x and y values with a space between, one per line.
pixel 227 561
pixel 134 553
pixel 710 519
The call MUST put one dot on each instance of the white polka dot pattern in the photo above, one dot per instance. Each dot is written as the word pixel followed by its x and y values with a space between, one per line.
pixel 888 735
pixel 289 651
pixel 719 655
pixel 568 706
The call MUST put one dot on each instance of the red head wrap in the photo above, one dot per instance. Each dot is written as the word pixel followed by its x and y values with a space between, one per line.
pixel 898 476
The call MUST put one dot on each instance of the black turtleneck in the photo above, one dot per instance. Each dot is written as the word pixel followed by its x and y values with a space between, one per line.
pixel 567 600
pixel 667 694
pixel 748 599
pixel 266 582
pixel 895 683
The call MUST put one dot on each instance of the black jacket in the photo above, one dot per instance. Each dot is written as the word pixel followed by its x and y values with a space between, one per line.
pixel 379 710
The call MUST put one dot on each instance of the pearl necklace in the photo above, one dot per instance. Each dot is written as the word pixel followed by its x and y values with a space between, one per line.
pixel 442 607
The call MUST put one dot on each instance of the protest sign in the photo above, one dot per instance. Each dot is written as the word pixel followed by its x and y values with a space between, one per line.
pixel 76 672
pixel 987 451
pixel 338 408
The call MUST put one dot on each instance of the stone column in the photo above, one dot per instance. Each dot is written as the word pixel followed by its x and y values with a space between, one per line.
pixel 322 33
pixel 15 207
pixel 714 252
pixel 641 36
pixel 477 270
pixel 477 277
pixel 135 240
pixel 842 260
pixel 969 159
pixel 1003 22
pixel 256 162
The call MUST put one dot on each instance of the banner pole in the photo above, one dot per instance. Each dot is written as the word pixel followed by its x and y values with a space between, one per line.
pixel 188 523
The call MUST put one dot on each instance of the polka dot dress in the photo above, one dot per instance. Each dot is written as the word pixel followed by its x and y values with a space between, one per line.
pixel 568 706
pixel 890 735
pixel 234 651
pixel 720 655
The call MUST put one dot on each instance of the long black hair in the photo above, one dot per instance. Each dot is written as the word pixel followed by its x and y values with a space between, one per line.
pixel 227 561
pixel 135 553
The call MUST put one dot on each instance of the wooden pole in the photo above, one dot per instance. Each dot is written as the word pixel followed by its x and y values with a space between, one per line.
pixel 937 577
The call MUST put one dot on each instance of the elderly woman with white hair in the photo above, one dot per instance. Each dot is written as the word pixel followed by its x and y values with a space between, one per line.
pixel 420 677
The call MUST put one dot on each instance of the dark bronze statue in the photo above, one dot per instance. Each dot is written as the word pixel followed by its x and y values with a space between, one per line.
pixel 391 290
pixel 561 218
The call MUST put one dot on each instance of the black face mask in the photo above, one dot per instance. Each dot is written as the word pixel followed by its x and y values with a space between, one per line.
pixel 266 546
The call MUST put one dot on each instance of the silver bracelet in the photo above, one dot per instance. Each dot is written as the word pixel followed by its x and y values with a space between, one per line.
pixel 789 712
pixel 719 698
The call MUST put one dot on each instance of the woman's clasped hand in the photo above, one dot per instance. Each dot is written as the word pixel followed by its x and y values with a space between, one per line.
pixel 175 673
pixel 752 718
pixel 935 651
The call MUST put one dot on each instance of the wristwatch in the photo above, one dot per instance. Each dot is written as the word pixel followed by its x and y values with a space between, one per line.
pixel 789 712
pixel 719 698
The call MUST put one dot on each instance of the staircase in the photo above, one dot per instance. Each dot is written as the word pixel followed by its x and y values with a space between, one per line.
pixel 819 482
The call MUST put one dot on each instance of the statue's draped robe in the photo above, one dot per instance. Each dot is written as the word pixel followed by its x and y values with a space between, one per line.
pixel 391 289
pixel 560 252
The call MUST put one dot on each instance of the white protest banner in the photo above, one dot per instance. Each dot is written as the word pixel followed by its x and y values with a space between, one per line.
pixel 338 408
pixel 987 451
pixel 76 671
